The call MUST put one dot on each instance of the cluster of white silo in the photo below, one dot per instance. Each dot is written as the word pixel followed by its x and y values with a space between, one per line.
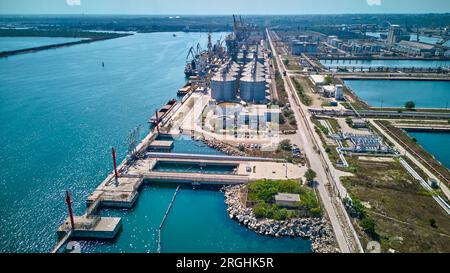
pixel 249 79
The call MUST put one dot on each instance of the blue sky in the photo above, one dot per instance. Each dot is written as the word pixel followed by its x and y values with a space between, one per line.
pixel 221 6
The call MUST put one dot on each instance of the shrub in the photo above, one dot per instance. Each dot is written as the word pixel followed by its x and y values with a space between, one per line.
pixel 314 211
pixel 310 175
pixel 433 223
pixel 260 210
pixel 285 145
pixel 368 224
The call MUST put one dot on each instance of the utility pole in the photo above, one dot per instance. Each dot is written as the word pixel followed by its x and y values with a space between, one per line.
pixel 116 174
pixel 69 207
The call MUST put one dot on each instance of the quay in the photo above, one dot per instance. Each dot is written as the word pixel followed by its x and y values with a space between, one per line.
pixel 120 189
pixel 390 76
pixel 378 113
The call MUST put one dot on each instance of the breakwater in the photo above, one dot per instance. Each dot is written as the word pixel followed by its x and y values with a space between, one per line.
pixel 317 230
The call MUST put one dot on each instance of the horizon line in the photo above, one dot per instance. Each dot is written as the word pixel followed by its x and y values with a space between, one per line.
pixel 221 14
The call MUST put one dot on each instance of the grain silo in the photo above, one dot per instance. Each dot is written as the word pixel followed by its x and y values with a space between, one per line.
pixel 253 86
pixel 223 86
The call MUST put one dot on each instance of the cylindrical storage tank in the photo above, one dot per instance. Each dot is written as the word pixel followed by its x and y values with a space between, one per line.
pixel 260 69
pixel 223 87
pixel 253 88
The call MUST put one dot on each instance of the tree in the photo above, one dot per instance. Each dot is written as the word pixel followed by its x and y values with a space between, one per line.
pixel 410 105
pixel 368 224
pixel 286 62
pixel 328 79
pixel 310 175
pixel 285 145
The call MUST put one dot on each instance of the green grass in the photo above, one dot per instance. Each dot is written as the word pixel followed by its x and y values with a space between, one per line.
pixel 304 98
pixel 262 193
pixel 400 210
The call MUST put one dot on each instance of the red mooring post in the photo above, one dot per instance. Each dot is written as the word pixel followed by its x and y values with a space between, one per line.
pixel 157 121
pixel 114 162
pixel 69 207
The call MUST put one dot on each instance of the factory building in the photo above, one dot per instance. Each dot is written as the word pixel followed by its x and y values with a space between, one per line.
pixel 415 48
pixel 317 80
pixel 299 48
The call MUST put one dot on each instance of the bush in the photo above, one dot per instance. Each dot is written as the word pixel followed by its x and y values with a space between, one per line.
pixel 310 175
pixel 282 119
pixel 260 210
pixel 368 224
pixel 292 121
pixel 314 212
pixel 433 223
pixel 280 214
pixel 285 145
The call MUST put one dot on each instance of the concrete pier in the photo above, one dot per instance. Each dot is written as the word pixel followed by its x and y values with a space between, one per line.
pixel 91 227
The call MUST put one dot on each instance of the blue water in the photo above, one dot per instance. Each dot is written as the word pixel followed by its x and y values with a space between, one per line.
pixel 436 144
pixel 197 222
pixel 385 63
pixel 16 43
pixel 60 114
pixel 394 93
pixel 186 167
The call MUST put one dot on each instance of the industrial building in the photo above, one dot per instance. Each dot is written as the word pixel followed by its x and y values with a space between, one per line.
pixel 317 80
pixel 394 35
pixel 298 48
pixel 415 48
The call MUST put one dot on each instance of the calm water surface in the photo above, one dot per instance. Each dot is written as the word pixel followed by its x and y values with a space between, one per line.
pixel 436 144
pixel 394 93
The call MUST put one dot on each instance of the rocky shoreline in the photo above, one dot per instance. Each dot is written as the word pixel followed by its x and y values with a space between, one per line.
pixel 224 148
pixel 317 230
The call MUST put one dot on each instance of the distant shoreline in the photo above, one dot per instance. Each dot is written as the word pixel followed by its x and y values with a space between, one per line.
pixel 88 37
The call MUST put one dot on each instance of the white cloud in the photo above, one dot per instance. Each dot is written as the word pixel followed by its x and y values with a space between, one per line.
pixel 73 2
pixel 373 2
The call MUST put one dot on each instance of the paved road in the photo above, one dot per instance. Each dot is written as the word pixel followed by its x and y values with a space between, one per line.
pixel 339 220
